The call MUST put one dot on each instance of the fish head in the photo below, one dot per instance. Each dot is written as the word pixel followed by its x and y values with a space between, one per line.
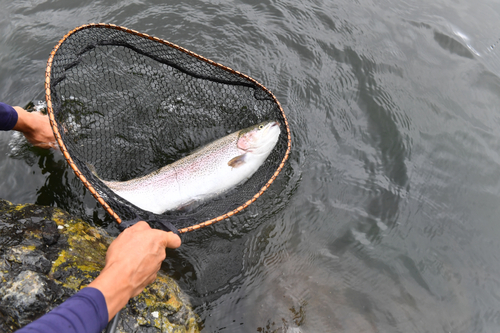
pixel 259 139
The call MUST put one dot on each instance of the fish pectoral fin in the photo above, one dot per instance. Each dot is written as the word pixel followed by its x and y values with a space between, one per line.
pixel 237 161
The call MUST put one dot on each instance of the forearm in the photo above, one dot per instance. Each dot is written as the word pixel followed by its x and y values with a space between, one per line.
pixel 114 284
pixel 26 123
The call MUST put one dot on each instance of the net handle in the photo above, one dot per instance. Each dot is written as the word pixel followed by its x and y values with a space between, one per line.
pixel 84 180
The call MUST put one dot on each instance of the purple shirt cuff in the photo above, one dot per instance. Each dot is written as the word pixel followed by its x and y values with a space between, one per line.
pixel 8 117
pixel 84 312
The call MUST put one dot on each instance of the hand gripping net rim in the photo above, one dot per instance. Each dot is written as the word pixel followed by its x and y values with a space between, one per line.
pixel 83 178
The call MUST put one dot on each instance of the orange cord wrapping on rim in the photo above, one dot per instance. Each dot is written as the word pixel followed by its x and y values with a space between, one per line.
pixel 89 186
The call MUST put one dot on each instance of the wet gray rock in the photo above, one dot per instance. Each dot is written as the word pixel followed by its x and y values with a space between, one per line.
pixel 28 257
pixel 46 256
pixel 25 295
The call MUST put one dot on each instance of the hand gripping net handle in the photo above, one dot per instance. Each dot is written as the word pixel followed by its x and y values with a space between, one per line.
pixel 57 128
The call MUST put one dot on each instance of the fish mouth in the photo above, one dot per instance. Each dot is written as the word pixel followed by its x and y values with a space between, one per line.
pixel 270 125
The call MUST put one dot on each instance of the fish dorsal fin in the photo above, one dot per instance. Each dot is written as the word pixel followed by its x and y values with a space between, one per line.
pixel 237 161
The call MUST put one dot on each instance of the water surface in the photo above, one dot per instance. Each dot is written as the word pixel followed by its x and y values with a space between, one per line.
pixel 385 218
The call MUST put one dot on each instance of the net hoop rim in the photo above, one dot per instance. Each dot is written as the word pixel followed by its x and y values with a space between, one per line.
pixel 84 180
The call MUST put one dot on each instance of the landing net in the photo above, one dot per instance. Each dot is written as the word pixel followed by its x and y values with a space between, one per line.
pixel 128 104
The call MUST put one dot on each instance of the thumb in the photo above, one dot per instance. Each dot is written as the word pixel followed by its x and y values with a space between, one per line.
pixel 173 241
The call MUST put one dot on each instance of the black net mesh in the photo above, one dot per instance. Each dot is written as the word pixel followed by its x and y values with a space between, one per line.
pixel 129 105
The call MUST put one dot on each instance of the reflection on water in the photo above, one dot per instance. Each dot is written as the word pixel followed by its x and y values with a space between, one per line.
pixel 385 217
pixel 60 187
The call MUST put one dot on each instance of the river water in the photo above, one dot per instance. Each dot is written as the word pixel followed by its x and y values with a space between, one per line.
pixel 385 218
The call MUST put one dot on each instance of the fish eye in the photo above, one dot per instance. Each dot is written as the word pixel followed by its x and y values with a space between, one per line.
pixel 261 127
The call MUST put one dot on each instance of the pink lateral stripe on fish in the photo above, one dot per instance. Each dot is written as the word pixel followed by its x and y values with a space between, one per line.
pixel 208 172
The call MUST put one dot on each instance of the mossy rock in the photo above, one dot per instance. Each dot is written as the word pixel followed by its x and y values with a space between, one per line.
pixel 46 256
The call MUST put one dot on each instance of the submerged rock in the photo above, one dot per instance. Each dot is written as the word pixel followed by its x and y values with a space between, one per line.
pixel 46 256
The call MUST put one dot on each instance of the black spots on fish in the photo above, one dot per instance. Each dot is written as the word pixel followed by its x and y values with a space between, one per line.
pixel 237 161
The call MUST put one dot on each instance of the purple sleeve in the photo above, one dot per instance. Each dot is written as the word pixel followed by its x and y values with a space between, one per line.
pixel 8 117
pixel 84 312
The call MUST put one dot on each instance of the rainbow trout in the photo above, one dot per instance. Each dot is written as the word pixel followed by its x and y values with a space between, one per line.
pixel 206 173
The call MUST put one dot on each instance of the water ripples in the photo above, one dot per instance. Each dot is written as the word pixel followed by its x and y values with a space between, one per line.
pixel 384 218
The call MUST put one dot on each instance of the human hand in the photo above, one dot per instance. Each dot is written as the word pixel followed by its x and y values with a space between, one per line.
pixel 36 128
pixel 132 262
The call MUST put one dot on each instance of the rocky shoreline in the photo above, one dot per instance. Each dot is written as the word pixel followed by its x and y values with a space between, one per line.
pixel 46 256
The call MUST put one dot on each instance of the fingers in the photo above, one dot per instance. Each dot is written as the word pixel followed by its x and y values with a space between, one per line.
pixel 173 240
pixel 48 145
pixel 169 239
pixel 141 225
